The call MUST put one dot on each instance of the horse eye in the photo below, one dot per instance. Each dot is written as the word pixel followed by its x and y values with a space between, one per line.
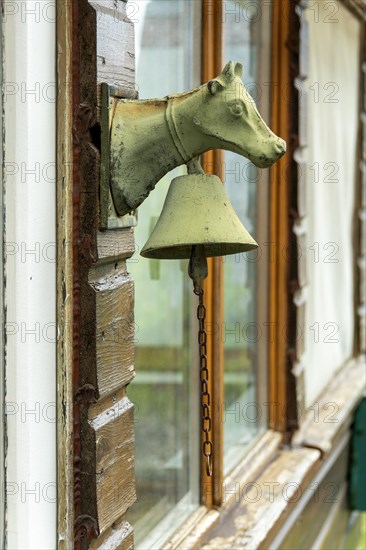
pixel 237 108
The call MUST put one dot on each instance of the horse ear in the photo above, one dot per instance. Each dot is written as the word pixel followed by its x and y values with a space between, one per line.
pixel 238 69
pixel 214 86
pixel 228 70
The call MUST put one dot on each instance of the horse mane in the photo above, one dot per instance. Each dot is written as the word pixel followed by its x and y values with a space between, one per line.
pixel 160 101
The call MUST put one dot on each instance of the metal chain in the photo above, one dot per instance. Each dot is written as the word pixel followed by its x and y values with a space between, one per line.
pixel 207 446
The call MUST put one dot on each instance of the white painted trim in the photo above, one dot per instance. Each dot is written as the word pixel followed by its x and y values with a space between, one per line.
pixel 2 311
pixel 30 203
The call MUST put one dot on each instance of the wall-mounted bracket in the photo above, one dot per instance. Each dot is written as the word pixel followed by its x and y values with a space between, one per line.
pixel 109 218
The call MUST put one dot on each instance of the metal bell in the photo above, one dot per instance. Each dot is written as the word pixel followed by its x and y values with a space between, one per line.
pixel 197 211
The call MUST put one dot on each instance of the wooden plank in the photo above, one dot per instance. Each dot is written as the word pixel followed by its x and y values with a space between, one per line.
pixel 116 245
pixel 211 162
pixel 117 537
pixel 115 43
pixel 115 475
pixel 116 489
pixel 279 230
pixel 114 302
pixel 114 430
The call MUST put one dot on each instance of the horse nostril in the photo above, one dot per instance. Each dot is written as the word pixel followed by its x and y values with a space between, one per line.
pixel 280 147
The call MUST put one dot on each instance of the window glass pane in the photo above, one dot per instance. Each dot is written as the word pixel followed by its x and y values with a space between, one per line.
pixel 246 39
pixel 165 390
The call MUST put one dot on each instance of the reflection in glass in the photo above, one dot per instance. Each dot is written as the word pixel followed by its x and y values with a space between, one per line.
pixel 165 388
pixel 245 275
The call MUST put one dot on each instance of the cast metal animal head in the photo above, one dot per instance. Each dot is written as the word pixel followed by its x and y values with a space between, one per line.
pixel 229 115
pixel 151 137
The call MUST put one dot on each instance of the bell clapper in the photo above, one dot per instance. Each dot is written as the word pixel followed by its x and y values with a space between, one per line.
pixel 197 268
pixel 198 271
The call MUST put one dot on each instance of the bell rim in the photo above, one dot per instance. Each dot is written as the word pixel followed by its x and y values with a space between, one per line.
pixel 183 251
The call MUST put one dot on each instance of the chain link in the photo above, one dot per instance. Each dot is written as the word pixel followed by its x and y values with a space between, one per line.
pixel 206 421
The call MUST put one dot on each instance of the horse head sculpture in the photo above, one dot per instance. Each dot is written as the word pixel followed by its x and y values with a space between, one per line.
pixel 151 137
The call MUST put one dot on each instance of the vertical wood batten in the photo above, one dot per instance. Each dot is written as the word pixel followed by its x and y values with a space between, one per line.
pixel 278 230
pixel 104 477
pixel 284 210
pixel 65 508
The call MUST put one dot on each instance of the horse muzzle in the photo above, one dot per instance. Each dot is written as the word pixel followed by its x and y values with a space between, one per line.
pixel 275 153
pixel 280 147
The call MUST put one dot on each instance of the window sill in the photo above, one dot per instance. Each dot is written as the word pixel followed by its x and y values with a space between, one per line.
pixel 265 488
pixel 331 414
pixel 203 520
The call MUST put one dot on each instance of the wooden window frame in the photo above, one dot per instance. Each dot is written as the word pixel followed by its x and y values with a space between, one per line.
pixel 212 162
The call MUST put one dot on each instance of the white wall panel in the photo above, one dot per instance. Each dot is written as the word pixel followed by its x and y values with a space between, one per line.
pixel 29 174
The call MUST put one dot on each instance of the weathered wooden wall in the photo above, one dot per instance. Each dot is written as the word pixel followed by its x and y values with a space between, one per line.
pixel 103 294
